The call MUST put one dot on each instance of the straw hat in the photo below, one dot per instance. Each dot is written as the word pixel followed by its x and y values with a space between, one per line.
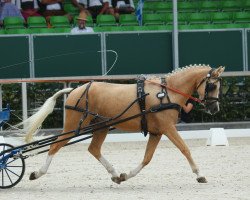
pixel 82 16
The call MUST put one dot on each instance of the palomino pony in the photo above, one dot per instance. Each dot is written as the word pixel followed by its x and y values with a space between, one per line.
pixel 106 99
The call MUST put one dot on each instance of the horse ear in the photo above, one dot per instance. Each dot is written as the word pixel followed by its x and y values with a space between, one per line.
pixel 218 71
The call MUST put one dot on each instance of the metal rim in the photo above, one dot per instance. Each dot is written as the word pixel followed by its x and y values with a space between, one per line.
pixel 14 168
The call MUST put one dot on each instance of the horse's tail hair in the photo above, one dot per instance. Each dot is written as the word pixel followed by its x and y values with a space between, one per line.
pixel 32 124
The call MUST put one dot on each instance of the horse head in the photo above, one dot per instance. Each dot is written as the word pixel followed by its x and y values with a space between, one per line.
pixel 209 90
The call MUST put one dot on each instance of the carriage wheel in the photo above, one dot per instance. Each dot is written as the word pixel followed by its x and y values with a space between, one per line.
pixel 11 171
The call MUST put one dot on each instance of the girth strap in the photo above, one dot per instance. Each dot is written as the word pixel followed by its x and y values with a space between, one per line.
pixel 142 104
pixel 165 106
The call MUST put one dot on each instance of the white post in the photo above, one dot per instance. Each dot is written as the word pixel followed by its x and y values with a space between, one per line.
pixel 24 101
pixel 175 35
pixel 218 137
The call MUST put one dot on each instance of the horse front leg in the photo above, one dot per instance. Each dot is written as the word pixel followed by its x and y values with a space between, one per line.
pixel 95 150
pixel 150 149
pixel 174 137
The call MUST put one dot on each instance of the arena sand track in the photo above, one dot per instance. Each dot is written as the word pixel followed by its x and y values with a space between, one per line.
pixel 75 174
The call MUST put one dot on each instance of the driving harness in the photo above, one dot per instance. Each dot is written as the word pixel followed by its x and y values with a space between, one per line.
pixel 160 95
pixel 141 99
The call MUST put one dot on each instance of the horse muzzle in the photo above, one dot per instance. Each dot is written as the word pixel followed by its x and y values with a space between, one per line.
pixel 212 107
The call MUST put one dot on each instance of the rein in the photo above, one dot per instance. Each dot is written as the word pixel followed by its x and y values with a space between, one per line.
pixel 209 86
pixel 177 91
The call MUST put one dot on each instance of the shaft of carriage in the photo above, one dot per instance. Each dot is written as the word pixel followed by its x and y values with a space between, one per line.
pixel 10 154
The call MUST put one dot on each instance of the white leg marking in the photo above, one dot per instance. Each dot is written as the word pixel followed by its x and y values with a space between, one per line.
pixel 134 172
pixel 44 168
pixel 108 166
pixel 197 172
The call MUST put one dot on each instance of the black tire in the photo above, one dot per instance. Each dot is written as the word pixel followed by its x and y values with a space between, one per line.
pixel 12 170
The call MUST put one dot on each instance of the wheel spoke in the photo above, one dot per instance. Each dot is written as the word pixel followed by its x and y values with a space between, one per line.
pixel 8 176
pixel 10 162
pixel 13 172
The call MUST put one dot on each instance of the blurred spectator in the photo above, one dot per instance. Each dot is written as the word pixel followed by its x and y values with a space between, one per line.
pixel 53 8
pixel 123 7
pixel 8 8
pixel 81 25
pixel 186 112
pixel 99 7
pixel 81 5
pixel 28 8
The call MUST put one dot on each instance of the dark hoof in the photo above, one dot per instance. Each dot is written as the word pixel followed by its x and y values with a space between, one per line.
pixel 123 177
pixel 32 176
pixel 202 180
pixel 116 180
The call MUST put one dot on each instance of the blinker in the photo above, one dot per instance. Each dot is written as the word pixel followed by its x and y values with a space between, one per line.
pixel 210 87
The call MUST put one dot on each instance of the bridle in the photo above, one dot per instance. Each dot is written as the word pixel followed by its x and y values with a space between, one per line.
pixel 210 86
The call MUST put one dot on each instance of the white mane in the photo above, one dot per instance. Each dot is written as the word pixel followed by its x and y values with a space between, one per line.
pixel 186 68
pixel 182 69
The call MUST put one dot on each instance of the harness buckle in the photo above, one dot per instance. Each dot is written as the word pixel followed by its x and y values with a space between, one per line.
pixel 161 95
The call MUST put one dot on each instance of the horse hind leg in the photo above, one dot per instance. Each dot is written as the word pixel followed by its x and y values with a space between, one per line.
pixel 69 126
pixel 95 150
pixel 54 148
pixel 153 141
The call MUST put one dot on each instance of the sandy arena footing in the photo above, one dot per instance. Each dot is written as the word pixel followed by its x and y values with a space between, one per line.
pixel 75 174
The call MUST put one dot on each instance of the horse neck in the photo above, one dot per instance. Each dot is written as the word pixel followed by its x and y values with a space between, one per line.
pixel 186 81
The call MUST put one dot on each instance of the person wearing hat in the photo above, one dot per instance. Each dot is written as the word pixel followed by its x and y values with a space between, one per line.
pixel 81 27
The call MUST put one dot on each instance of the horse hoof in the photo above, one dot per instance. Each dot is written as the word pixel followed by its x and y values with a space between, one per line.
pixel 116 180
pixel 32 176
pixel 202 179
pixel 123 177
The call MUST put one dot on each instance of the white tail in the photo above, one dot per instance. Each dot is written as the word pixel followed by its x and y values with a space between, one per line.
pixel 35 121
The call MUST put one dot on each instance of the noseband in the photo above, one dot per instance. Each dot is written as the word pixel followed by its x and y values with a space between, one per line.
pixel 210 87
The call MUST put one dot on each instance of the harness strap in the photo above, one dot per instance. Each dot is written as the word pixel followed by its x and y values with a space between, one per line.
pixel 85 91
pixel 74 108
pixel 163 90
pixel 165 106
pixel 85 111
pixel 142 104
pixel 141 101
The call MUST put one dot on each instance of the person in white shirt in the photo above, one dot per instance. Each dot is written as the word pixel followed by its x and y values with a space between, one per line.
pixel 53 8
pixel 99 7
pixel 94 7
pixel 81 5
pixel 81 28
pixel 123 7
